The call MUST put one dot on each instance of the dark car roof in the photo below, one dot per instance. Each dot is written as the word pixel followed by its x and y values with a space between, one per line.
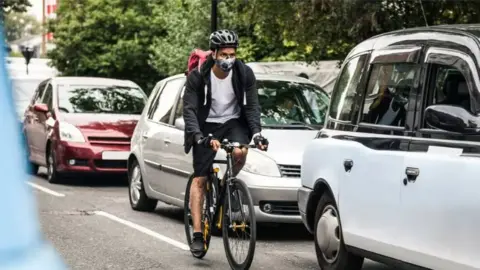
pixel 455 35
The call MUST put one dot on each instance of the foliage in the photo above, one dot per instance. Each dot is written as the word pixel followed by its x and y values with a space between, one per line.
pixel 15 54
pixel 186 24
pixel 146 40
pixel 15 5
pixel 18 25
pixel 107 38
pixel 328 29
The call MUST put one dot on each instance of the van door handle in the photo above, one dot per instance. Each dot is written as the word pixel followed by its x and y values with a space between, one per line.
pixel 145 135
pixel 412 174
pixel 167 141
pixel 348 164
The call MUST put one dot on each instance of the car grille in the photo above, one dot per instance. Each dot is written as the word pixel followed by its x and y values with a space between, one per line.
pixel 282 208
pixel 109 140
pixel 290 170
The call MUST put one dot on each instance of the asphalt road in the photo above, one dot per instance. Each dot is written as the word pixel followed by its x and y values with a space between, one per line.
pixel 93 227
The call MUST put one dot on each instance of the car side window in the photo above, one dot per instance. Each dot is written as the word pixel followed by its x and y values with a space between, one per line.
pixel 39 92
pixel 47 97
pixel 153 98
pixel 449 87
pixel 164 104
pixel 387 96
pixel 451 81
pixel 346 89
pixel 179 107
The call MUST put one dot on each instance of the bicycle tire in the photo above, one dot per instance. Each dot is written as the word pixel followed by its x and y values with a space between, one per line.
pixel 247 200
pixel 187 219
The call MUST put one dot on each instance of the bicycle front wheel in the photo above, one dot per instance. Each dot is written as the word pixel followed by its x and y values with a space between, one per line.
pixel 239 224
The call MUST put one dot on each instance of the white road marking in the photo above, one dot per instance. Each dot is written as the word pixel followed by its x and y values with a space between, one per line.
pixel 144 230
pixel 46 190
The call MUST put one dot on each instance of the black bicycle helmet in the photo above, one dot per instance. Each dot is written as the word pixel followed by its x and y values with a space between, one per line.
pixel 223 39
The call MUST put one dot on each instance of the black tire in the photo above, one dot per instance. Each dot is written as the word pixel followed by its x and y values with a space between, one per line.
pixel 343 260
pixel 206 220
pixel 246 199
pixel 142 203
pixel 53 176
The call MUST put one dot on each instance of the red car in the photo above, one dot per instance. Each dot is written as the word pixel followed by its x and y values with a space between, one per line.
pixel 79 125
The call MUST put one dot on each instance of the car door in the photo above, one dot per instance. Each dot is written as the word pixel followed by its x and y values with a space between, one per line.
pixel 155 150
pixel 42 128
pixel 439 198
pixel 373 164
pixel 179 164
pixel 33 126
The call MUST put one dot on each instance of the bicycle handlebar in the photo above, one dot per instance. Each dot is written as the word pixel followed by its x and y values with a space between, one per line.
pixel 225 144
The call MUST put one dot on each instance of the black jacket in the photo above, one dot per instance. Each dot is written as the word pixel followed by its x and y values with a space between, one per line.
pixel 197 100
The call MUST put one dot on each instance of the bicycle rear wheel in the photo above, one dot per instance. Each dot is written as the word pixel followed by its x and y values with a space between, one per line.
pixel 206 220
pixel 240 224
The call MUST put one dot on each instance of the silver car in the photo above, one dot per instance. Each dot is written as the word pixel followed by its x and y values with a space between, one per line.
pixel 293 110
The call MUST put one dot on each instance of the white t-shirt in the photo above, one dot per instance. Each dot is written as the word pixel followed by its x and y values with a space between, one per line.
pixel 224 102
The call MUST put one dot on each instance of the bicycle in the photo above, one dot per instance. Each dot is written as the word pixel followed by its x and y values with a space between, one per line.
pixel 226 190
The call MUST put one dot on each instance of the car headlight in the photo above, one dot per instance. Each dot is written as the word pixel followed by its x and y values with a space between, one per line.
pixel 261 164
pixel 70 133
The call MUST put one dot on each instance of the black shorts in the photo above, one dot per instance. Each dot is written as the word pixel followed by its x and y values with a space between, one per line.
pixel 203 157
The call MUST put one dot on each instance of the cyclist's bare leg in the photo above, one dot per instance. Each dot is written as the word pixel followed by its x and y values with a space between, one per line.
pixel 196 202
pixel 239 158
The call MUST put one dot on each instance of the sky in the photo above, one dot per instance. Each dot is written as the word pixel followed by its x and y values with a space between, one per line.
pixel 36 9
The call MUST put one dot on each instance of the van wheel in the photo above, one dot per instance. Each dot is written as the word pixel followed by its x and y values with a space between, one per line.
pixel 138 198
pixel 53 176
pixel 329 245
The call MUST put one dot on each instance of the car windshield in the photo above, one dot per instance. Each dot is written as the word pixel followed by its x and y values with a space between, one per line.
pixel 101 99
pixel 23 90
pixel 291 103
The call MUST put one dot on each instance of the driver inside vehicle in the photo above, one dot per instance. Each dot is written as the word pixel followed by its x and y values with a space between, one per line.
pixel 390 106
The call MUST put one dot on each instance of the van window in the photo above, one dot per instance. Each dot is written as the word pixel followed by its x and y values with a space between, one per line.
pixel 387 96
pixel 346 89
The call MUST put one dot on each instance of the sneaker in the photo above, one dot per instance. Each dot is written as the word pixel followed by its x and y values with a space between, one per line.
pixel 197 243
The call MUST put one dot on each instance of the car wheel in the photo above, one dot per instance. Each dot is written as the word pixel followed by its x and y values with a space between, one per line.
pixel 329 245
pixel 138 198
pixel 53 176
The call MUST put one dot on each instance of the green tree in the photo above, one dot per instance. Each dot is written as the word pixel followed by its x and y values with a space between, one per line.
pixel 18 25
pixel 107 38
pixel 328 29
pixel 15 5
pixel 187 26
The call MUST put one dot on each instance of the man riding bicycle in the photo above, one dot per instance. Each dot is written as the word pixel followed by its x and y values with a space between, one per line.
pixel 220 99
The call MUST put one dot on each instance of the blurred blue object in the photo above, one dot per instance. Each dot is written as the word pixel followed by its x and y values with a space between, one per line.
pixel 21 243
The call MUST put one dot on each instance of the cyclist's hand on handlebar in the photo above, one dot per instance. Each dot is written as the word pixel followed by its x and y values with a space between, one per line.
pixel 215 144
pixel 209 141
pixel 261 142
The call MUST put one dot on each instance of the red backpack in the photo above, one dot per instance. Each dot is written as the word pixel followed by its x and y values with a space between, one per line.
pixel 196 59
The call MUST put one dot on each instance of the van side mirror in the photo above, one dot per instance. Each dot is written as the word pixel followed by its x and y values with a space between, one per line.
pixel 180 123
pixel 452 118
